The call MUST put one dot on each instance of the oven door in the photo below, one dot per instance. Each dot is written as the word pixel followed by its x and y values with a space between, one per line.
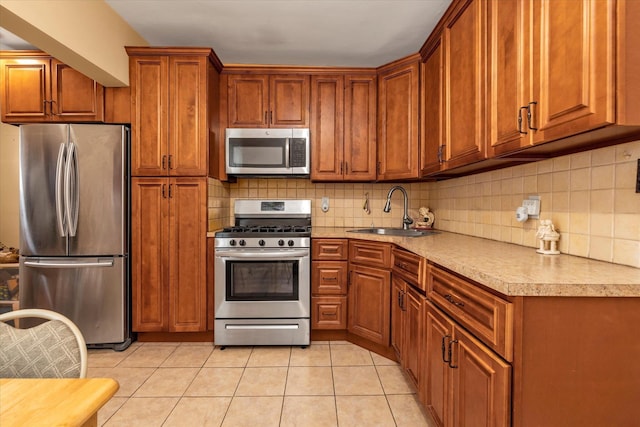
pixel 262 283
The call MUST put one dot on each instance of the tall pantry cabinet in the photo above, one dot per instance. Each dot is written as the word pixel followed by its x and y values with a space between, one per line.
pixel 174 108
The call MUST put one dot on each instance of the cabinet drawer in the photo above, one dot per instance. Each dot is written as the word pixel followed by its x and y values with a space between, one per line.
pixel 329 277
pixel 487 316
pixel 410 267
pixel 370 253
pixel 329 312
pixel 330 249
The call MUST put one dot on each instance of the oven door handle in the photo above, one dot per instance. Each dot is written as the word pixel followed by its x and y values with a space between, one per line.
pixel 263 255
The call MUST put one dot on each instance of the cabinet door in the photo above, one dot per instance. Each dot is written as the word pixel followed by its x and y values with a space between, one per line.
pixel 327 128
pixel 369 303
pixel 248 100
pixel 149 254
pixel 149 77
pixel 188 127
pixel 481 384
pixel 464 54
pixel 398 299
pixel 509 85
pixel 573 67
pixel 413 335
pixel 288 101
pixel 74 96
pixel 436 382
pixel 187 243
pixel 360 128
pixel 25 90
pixel 398 123
pixel 432 142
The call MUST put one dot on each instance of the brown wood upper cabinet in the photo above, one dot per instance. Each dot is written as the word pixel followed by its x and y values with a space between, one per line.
pixel 173 93
pixel 454 85
pixel 343 127
pixel 398 98
pixel 260 100
pixel 37 88
pixel 566 70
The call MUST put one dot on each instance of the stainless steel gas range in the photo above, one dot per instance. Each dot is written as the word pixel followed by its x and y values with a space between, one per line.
pixel 262 274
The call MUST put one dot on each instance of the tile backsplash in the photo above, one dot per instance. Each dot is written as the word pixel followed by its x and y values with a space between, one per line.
pixel 589 196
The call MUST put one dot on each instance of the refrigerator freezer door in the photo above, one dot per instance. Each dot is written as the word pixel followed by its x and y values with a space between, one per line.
pixel 42 228
pixel 97 190
pixel 89 291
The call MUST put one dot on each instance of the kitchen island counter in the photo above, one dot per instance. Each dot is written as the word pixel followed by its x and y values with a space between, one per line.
pixel 510 269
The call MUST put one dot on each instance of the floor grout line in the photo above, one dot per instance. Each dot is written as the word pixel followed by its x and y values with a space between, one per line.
pixel 332 349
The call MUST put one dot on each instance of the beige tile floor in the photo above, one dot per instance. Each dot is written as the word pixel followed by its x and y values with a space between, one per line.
pixel 194 384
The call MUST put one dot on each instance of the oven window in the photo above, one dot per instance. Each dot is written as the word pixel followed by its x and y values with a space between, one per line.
pixel 262 280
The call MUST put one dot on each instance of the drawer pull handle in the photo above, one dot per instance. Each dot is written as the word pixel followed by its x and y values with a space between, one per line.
pixel 329 314
pixel 449 298
pixel 450 351
pixel 444 346
pixel 332 279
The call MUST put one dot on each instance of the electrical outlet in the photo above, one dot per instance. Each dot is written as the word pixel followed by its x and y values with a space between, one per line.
pixel 533 206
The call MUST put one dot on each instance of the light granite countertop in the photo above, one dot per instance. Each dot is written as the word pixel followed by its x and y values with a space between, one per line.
pixel 512 269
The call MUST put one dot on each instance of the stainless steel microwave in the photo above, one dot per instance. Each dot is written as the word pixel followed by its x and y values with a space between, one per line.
pixel 263 152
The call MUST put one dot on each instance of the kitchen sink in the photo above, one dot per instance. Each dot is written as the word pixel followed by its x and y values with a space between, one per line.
pixel 391 231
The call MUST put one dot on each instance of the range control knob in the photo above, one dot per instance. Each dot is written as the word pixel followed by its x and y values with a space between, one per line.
pixel 280 242
pixel 261 242
pixel 290 243
pixel 242 242
pixel 232 242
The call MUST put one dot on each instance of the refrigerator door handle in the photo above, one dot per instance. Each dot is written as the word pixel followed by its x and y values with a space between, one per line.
pixel 60 215
pixel 71 193
pixel 67 264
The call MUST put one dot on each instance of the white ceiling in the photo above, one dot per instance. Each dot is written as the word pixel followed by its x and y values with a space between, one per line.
pixel 352 33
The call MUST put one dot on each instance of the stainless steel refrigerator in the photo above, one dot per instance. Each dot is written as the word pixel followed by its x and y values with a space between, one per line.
pixel 74 210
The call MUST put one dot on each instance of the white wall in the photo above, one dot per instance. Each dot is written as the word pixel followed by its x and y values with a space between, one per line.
pixel 9 186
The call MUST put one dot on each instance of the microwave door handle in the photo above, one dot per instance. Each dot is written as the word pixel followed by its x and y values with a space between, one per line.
pixel 287 153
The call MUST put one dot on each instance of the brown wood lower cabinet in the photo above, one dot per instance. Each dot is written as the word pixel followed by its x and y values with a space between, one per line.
pixel 329 312
pixel 369 303
pixel 168 254
pixel 407 324
pixel 465 383
pixel 370 291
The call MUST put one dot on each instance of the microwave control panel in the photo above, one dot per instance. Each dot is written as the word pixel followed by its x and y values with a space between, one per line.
pixel 298 154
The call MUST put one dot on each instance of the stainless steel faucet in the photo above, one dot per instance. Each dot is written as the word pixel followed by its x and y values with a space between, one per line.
pixel 406 221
